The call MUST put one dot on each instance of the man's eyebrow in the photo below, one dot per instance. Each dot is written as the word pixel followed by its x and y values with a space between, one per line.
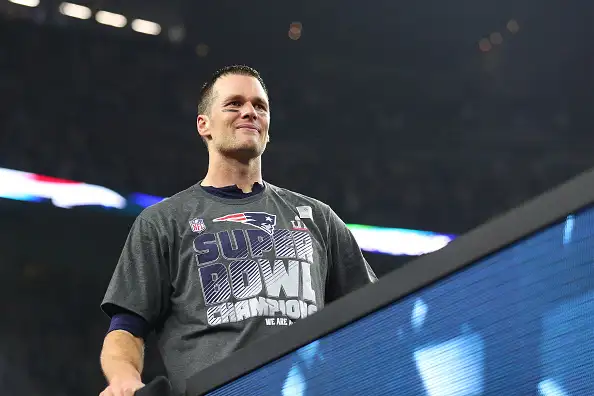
pixel 232 97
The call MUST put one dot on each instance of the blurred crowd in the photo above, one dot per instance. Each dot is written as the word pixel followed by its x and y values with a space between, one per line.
pixel 439 143
pixel 54 270
pixel 49 337
pixel 435 153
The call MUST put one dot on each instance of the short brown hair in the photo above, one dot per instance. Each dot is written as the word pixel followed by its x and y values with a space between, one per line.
pixel 207 94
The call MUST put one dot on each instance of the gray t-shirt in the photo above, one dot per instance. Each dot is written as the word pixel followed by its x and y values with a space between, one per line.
pixel 211 275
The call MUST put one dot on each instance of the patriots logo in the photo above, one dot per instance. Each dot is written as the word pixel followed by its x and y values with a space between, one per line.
pixel 263 221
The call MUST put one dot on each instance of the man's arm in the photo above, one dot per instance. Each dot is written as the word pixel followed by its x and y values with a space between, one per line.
pixel 122 357
pixel 347 268
pixel 137 296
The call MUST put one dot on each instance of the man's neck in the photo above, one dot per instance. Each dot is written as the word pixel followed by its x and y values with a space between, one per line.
pixel 223 172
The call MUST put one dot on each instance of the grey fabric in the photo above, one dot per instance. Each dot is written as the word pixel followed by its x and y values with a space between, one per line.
pixel 211 274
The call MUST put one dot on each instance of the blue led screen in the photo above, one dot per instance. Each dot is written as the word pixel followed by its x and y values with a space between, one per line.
pixel 518 322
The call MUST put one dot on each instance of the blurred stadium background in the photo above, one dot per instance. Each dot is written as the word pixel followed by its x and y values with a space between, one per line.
pixel 416 121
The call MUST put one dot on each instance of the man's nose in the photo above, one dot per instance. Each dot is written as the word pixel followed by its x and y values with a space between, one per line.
pixel 248 111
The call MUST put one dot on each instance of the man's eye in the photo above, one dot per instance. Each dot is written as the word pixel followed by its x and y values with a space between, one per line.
pixel 235 103
pixel 261 107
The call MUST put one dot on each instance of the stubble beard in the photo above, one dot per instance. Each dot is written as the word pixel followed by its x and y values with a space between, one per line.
pixel 241 151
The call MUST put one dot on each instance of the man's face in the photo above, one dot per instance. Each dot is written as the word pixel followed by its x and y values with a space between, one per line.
pixel 237 125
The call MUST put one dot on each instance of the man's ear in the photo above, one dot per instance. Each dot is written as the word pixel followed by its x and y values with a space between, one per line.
pixel 203 125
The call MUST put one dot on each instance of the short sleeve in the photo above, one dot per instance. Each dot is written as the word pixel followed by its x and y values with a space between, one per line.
pixel 140 282
pixel 347 268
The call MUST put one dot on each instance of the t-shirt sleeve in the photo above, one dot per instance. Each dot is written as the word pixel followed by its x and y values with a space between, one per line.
pixel 140 282
pixel 347 268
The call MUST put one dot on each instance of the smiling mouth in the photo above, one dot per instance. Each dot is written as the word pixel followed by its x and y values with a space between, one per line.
pixel 252 129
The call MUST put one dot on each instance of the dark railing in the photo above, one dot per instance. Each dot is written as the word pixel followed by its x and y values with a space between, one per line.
pixel 491 237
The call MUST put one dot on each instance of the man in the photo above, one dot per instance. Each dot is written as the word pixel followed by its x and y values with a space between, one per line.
pixel 228 261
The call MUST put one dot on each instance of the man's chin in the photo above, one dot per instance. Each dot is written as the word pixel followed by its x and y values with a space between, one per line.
pixel 244 152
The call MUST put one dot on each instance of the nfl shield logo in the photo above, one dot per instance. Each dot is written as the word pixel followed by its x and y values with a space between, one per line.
pixel 197 225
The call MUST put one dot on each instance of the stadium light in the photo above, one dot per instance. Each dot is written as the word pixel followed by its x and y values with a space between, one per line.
pixel 111 19
pixel 26 3
pixel 146 27
pixel 63 193
pixel 75 10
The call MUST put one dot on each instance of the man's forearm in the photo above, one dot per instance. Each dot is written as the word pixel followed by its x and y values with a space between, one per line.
pixel 122 356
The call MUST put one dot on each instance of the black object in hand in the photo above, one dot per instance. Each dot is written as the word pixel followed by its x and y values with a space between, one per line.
pixel 160 386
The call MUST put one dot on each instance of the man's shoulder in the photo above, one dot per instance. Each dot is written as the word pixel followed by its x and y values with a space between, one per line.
pixel 171 207
pixel 298 199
